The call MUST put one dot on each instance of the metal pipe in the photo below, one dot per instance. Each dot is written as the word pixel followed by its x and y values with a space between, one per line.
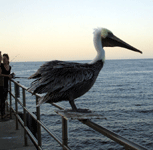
pixel 38 125
pixel 29 132
pixel 17 100
pixel 47 130
pixel 25 119
pixel 57 106
pixel 66 147
pixel 122 141
pixel 10 99
pixel 64 132
pixel 7 105
pixel 39 122
pixel 16 109
pixel 33 138
pixel 17 90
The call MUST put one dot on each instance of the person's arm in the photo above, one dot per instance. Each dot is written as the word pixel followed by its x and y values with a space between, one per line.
pixel 4 75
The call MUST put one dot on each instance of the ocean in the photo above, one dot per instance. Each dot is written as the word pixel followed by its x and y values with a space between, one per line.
pixel 123 93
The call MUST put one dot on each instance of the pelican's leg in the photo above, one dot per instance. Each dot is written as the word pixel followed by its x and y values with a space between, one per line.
pixel 73 105
pixel 74 108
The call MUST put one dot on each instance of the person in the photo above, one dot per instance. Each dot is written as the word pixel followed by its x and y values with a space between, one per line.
pixel 5 75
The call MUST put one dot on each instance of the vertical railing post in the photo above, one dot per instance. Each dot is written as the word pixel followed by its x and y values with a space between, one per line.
pixel 25 119
pixel 7 104
pixel 16 108
pixel 38 125
pixel 64 132
pixel 10 99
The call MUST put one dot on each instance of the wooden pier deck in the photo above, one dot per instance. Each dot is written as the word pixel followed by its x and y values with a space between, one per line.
pixel 12 139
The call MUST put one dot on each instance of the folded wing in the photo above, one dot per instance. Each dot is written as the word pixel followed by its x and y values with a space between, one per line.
pixel 59 75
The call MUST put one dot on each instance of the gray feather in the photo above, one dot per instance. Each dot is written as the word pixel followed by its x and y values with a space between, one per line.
pixel 61 80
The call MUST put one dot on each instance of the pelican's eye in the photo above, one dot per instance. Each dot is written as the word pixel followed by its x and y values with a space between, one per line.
pixel 105 33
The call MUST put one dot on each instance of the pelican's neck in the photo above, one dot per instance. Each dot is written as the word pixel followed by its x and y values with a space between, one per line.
pixel 98 47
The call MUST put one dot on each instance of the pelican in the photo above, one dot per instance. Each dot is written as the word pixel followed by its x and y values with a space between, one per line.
pixel 66 81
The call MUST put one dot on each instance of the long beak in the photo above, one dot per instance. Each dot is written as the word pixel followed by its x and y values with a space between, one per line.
pixel 113 41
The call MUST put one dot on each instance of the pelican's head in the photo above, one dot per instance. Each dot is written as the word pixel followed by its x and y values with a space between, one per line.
pixel 108 39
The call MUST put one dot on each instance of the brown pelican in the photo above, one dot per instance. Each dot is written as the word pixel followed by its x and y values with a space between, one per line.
pixel 66 81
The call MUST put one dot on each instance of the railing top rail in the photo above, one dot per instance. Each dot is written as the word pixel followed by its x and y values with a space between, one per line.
pixel 122 141
pixel 38 95
pixel 25 88
pixel 38 121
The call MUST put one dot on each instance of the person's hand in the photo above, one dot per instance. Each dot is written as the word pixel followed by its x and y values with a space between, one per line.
pixel 10 76
pixel 13 75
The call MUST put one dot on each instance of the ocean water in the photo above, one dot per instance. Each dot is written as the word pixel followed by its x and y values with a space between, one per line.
pixel 123 93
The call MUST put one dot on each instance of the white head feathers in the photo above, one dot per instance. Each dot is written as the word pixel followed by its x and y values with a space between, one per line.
pixel 98 45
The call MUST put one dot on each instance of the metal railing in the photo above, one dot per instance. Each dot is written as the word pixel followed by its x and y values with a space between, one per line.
pixel 128 145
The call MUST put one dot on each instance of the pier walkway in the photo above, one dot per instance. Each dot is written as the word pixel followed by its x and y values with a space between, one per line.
pixel 12 139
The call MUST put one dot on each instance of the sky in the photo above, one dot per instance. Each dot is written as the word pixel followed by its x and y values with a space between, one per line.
pixel 44 30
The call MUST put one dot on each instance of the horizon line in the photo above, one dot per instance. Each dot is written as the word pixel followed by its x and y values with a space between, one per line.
pixel 82 60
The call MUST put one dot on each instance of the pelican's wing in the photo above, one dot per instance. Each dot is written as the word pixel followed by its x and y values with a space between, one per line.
pixel 44 68
pixel 59 75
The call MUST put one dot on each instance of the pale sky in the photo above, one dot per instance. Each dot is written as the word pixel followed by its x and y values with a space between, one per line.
pixel 43 30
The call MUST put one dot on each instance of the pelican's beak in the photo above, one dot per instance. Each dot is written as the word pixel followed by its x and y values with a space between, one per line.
pixel 112 41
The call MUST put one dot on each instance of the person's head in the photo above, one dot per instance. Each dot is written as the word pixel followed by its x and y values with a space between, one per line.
pixel 6 59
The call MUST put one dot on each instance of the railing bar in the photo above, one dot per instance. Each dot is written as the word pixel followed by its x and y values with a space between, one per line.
pixel 35 94
pixel 24 107
pixel 23 87
pixel 12 95
pixel 52 135
pixel 20 102
pixel 45 128
pixel 38 125
pixel 13 109
pixel 25 119
pixel 29 111
pixel 26 88
pixel 28 131
pixel 113 136
pixel 16 109
pixel 109 134
pixel 42 125
pixel 32 137
pixel 64 131
pixel 58 106
pixel 10 89
pixel 32 115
